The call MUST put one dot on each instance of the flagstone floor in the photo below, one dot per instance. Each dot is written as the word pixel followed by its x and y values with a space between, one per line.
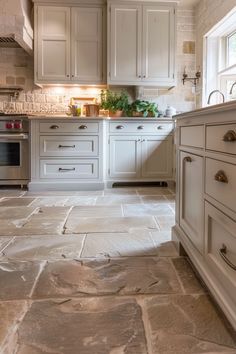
pixel 97 273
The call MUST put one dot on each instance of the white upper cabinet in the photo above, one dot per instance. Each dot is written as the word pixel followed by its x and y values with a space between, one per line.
pixel 53 43
pixel 141 44
pixel 69 44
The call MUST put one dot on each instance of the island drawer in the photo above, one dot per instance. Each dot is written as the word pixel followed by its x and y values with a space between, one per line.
pixel 192 136
pixel 221 182
pixel 62 146
pixel 220 250
pixel 69 127
pixel 69 169
pixel 221 138
pixel 140 127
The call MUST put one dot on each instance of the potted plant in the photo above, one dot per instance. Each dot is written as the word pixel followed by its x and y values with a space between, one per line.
pixel 141 108
pixel 115 103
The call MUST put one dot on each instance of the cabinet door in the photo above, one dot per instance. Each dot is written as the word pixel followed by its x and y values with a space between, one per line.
pixel 86 44
pixel 158 44
pixel 53 49
pixel 157 156
pixel 125 44
pixel 191 198
pixel 124 156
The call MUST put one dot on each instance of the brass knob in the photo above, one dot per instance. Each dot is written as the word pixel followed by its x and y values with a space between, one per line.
pixel 83 127
pixel 230 136
pixel 54 127
pixel 221 177
pixel 187 159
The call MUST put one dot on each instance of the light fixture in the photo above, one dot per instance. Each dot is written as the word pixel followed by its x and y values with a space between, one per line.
pixel 194 80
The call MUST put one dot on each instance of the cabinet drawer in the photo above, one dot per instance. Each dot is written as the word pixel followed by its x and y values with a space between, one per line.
pixel 220 234
pixel 127 127
pixel 69 127
pixel 221 138
pixel 69 169
pixel 69 146
pixel 192 136
pixel 224 192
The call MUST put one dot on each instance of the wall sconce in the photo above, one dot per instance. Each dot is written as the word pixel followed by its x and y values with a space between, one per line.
pixel 194 80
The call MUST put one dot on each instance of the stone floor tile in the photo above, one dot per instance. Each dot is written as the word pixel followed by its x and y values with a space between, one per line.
pixel 185 324
pixel 137 243
pixel 55 213
pixel 164 246
pixel 154 191
pixel 4 241
pixel 187 277
pixel 15 202
pixel 96 211
pixel 118 199
pixel 154 199
pixel 37 248
pixel 49 201
pixel 165 222
pixel 81 200
pixel 15 213
pixel 83 326
pixel 120 191
pixel 10 313
pixel 11 192
pixel 171 198
pixel 63 193
pixel 17 279
pixel 146 209
pixel 108 224
pixel 123 276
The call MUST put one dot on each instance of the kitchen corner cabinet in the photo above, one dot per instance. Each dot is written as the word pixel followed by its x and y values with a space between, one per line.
pixel 141 43
pixel 205 199
pixel 140 151
pixel 69 44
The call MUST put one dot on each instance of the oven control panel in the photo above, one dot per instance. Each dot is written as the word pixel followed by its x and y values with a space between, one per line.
pixel 13 126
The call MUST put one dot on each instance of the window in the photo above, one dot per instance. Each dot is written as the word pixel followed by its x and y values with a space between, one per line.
pixel 231 49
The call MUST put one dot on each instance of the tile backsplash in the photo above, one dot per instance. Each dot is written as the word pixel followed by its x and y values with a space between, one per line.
pixel 16 68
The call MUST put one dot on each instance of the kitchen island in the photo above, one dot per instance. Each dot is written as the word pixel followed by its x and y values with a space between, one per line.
pixel 205 204
pixel 73 153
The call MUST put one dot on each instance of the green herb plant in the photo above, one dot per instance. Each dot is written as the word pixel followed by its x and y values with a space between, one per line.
pixel 113 101
pixel 146 108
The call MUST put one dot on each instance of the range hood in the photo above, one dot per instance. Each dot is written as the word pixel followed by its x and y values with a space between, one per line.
pixel 15 24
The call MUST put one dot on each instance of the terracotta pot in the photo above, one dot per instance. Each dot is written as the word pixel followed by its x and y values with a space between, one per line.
pixel 115 114
pixel 137 114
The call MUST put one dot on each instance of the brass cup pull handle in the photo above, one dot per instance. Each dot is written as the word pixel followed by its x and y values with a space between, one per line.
pixel 54 127
pixel 120 127
pixel 220 176
pixel 223 253
pixel 187 159
pixel 66 169
pixel 83 127
pixel 66 146
pixel 230 136
pixel 140 127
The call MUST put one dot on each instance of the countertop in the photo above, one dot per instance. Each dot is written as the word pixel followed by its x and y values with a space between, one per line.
pixel 227 106
pixel 72 118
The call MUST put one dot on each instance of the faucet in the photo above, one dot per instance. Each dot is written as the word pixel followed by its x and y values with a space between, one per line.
pixel 209 98
pixel 231 90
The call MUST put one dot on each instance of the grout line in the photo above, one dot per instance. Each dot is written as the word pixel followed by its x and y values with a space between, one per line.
pixel 177 274
pixel 122 211
pixel 146 324
pixel 83 245
pixel 8 244
pixel 41 268
pixel 65 220
pixel 156 222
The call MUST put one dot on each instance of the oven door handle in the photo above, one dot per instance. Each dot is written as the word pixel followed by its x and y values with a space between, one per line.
pixel 14 136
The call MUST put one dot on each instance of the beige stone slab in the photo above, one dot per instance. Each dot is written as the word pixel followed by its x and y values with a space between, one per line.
pixel 15 213
pixel 49 201
pixel 154 199
pixel 63 193
pixel 4 241
pixel 10 313
pixel 109 224
pixel 96 211
pixel 37 248
pixel 11 192
pixel 165 222
pixel 120 191
pixel 17 279
pixel 133 244
pixel 44 226
pixel 146 209
pixel 56 213
pixel 118 199
pixel 187 277
pixel 185 324
pixel 15 202
pixel 81 200
pixel 124 276
pixel 153 191
pixel 171 198
pixel 83 326
pixel 165 247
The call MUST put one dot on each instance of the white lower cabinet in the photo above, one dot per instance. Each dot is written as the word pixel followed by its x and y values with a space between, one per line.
pixel 191 191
